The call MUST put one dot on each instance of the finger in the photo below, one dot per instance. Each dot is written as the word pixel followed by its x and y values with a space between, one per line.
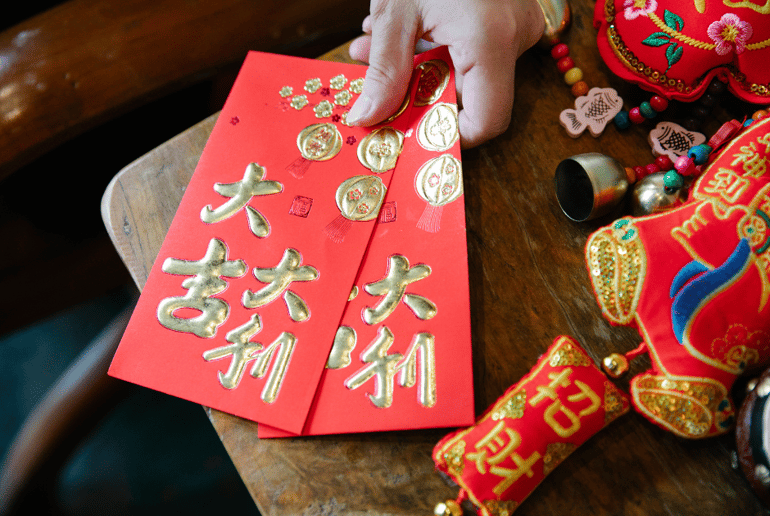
pixel 359 48
pixel 485 91
pixel 394 29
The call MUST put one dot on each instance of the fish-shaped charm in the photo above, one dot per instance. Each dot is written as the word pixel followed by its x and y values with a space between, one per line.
pixel 593 111
pixel 673 140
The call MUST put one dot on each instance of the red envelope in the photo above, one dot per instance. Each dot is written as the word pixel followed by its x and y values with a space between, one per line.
pixel 243 302
pixel 401 359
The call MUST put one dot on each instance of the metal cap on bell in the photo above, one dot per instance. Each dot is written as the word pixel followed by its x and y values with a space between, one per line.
pixel 589 185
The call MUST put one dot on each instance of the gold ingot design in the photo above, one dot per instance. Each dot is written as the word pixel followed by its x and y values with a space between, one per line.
pixel 380 149
pixel 513 408
pixel 439 128
pixel 357 85
pixel 319 142
pixel 501 507
pixel 568 356
pixel 286 91
pixel 434 77
pixel 555 455
pixel 344 342
pixel 323 109
pixel 342 98
pixel 299 101
pixel 439 181
pixel 312 85
pixel 614 404
pixel 338 82
pixel 360 197
pixel 455 459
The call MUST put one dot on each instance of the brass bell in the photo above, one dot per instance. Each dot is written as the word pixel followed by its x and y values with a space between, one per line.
pixel 589 185
pixel 615 365
pixel 448 508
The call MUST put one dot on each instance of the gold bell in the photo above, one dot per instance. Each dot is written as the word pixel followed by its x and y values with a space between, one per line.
pixel 448 508
pixel 615 365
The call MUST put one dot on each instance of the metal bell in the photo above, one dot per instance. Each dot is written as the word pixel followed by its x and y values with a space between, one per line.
pixel 589 185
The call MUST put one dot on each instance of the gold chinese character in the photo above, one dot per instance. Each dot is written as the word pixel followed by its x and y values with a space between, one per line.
pixel 205 283
pixel 754 163
pixel 561 380
pixel 383 368
pixel 240 193
pixel 243 350
pixel 393 290
pixel 492 450
pixel 278 279
pixel 727 184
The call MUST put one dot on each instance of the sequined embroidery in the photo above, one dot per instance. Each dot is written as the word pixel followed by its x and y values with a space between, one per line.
pixel 500 507
pixel 512 408
pixel 613 403
pixel 688 407
pixel 567 355
pixel 455 460
pixel 555 454
pixel 617 263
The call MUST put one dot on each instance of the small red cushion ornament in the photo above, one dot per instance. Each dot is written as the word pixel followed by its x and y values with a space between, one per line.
pixel 675 48
pixel 531 429
pixel 695 282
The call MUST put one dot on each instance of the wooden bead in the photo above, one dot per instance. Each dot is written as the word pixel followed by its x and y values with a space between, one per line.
pixel 759 114
pixel 564 64
pixel 640 172
pixel 635 115
pixel 622 121
pixel 630 175
pixel 573 75
pixel 579 89
pixel 658 103
pixel 559 51
pixel 645 108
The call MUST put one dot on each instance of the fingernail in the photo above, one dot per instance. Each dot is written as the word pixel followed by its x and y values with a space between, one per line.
pixel 360 110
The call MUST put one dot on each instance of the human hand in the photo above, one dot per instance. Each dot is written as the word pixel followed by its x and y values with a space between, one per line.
pixel 484 37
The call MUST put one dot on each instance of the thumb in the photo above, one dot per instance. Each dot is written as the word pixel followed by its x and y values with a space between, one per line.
pixel 394 29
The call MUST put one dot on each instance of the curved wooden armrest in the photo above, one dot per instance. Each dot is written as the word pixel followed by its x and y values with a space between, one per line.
pixel 85 61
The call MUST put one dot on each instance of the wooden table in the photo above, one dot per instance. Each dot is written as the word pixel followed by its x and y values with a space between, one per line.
pixel 528 284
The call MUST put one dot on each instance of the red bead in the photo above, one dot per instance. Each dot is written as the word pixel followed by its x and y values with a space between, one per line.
pixel 636 116
pixel 640 173
pixel 664 162
pixel 652 168
pixel 564 64
pixel 658 103
pixel 559 51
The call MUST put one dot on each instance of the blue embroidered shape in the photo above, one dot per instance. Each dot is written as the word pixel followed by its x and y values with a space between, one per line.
pixel 690 296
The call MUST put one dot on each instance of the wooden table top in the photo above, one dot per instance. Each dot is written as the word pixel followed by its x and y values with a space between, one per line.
pixel 528 284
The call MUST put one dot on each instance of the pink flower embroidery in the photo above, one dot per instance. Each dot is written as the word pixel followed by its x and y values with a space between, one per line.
pixel 730 33
pixel 634 8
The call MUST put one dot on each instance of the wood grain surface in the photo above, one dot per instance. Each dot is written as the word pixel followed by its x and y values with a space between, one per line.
pixel 528 284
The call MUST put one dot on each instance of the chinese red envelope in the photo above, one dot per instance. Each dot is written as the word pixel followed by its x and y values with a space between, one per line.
pixel 245 299
pixel 400 357
pixel 535 425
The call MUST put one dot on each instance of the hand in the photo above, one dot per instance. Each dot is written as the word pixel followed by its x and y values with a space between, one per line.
pixel 485 37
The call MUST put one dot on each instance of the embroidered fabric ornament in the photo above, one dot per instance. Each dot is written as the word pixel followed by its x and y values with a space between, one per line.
pixel 695 282
pixel 535 425
pixel 675 49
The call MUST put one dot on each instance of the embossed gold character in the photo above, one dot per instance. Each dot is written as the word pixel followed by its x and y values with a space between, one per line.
pixel 393 289
pixel 380 149
pixel 279 278
pixel 383 368
pixel 497 447
pixel 439 129
pixel 344 342
pixel 206 282
pixel 240 193
pixel 243 350
pixel 319 142
pixel 434 77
